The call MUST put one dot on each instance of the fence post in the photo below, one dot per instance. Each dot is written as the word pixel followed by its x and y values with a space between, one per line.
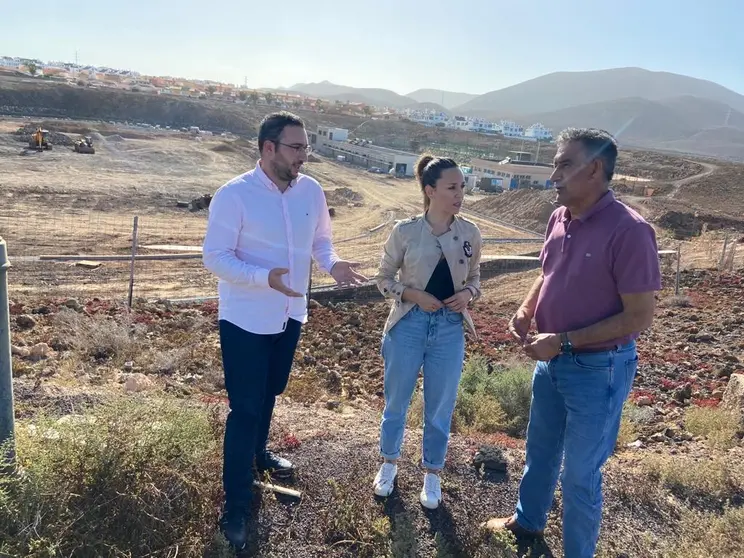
pixel 131 263
pixel 309 284
pixel 7 413
pixel 676 278
pixel 722 261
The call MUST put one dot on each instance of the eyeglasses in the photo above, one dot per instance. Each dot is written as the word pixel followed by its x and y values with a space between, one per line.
pixel 296 147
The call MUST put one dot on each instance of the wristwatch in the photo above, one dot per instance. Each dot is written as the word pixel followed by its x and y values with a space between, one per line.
pixel 566 346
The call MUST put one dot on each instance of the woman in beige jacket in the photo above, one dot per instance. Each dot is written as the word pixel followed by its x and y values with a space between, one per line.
pixel 436 258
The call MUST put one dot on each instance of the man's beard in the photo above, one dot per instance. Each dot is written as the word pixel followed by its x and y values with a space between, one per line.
pixel 283 171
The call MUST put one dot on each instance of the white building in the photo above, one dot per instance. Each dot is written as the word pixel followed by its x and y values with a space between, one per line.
pixel 511 129
pixel 539 132
pixel 334 142
pixel 13 63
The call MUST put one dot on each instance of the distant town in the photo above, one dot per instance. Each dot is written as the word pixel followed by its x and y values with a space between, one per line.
pixel 112 78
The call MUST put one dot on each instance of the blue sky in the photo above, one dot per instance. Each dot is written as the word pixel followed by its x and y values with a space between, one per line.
pixel 470 45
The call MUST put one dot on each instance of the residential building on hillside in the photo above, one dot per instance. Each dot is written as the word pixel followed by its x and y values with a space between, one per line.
pixel 11 63
pixel 539 132
pixel 511 174
pixel 511 129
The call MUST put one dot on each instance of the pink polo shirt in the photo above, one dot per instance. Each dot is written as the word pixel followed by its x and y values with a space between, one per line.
pixel 590 261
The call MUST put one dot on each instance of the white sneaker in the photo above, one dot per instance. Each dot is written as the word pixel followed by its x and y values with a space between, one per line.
pixel 385 480
pixel 431 493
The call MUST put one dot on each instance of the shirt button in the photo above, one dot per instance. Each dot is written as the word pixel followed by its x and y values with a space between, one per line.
pixel 462 261
pixel 454 238
pixel 568 236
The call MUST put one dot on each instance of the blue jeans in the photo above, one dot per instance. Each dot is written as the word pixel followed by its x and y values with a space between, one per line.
pixel 436 341
pixel 575 413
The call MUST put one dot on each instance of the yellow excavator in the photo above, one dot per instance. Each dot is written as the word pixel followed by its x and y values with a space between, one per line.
pixel 39 140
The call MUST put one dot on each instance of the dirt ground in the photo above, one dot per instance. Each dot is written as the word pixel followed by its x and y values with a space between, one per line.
pixel 60 202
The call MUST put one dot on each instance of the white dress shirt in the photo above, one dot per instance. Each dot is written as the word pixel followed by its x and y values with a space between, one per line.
pixel 253 228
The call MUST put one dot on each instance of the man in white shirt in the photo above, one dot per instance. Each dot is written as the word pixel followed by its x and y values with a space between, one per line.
pixel 264 228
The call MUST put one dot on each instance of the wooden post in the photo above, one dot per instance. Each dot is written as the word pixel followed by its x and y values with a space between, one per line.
pixel 676 279
pixel 731 257
pixel 131 264
pixel 7 414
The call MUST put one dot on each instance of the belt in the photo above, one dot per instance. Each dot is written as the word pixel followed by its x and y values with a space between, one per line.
pixel 590 350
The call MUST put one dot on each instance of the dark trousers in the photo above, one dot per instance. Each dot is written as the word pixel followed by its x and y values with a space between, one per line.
pixel 256 371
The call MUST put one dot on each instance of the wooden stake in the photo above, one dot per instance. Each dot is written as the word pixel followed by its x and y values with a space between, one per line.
pixel 278 489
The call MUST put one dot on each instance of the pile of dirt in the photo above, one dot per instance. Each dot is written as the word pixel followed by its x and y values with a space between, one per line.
pixel 25 133
pixel 530 209
pixel 224 147
pixel 341 196
pixel 116 138
pixel 686 225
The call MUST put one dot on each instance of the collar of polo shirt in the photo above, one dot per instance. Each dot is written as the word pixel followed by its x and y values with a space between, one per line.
pixel 606 199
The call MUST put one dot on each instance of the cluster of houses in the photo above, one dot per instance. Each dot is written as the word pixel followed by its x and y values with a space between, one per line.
pixel 507 128
pixel 104 77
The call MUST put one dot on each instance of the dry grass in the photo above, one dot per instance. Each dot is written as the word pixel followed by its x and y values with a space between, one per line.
pixel 100 337
pixel 719 426
pixel 706 535
pixel 705 481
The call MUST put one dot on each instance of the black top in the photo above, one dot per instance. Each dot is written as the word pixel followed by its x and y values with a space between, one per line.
pixel 440 284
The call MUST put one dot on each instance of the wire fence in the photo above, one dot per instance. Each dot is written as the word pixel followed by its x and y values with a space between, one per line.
pixel 88 254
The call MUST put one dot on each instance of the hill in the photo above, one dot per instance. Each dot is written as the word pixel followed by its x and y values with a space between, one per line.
pixel 561 90
pixel 334 92
pixel 687 124
pixel 448 99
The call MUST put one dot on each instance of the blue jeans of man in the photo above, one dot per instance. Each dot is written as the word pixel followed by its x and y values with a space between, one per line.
pixel 577 401
pixel 257 369
pixel 436 342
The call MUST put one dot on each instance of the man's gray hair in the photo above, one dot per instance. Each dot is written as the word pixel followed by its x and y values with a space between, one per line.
pixel 598 144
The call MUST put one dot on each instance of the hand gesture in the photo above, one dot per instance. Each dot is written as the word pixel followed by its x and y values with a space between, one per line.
pixel 275 282
pixel 459 301
pixel 519 326
pixel 345 275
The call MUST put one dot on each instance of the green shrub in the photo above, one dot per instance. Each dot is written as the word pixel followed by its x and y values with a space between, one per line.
pixel 131 478
pixel 495 399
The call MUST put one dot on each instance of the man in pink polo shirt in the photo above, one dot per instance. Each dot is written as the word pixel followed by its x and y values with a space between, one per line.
pixel 600 271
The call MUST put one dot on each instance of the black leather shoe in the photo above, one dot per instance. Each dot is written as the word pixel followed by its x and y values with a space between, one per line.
pixel 233 527
pixel 275 465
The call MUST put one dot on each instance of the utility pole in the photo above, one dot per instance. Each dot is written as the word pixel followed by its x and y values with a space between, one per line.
pixel 7 413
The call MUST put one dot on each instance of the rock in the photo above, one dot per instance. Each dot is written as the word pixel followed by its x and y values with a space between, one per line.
pixel 643 401
pixel 332 404
pixel 733 396
pixel 22 352
pixel 128 366
pixel 137 382
pixel 491 458
pixel 658 437
pixel 635 445
pixel 73 304
pixel 355 320
pixel 25 322
pixel 40 351
pixel 42 310
pixel 682 393
pixel 313 304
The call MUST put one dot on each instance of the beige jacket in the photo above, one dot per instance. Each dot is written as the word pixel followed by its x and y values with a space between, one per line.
pixel 412 252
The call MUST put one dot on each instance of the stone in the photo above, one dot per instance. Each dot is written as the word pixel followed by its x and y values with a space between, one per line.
pixel 40 351
pixel 682 393
pixel 332 404
pixel 137 382
pixel 643 401
pixel 23 352
pixel 491 458
pixel 25 322
pixel 733 396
